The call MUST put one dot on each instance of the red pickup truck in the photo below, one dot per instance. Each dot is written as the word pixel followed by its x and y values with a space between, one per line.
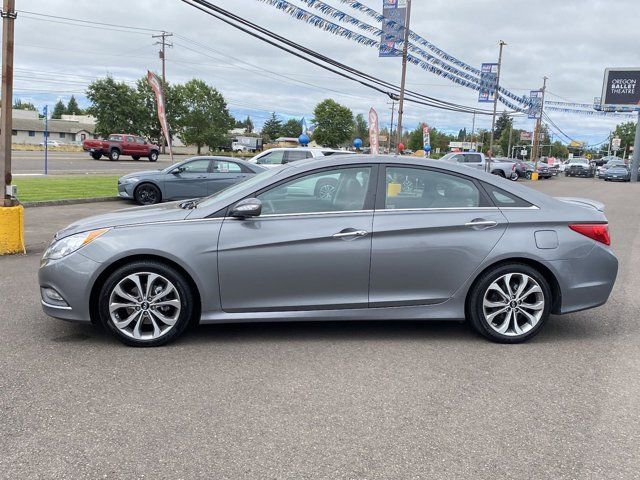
pixel 121 144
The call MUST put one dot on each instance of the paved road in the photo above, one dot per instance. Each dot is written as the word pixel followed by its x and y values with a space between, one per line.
pixel 63 163
pixel 389 400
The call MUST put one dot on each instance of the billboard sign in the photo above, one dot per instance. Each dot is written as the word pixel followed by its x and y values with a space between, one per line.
pixel 526 136
pixel 395 14
pixel 621 87
pixel 615 144
pixel 488 81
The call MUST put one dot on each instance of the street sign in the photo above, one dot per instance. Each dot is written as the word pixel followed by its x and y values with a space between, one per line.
pixel 621 87
pixel 535 107
pixel 523 153
pixel 615 144
pixel 488 80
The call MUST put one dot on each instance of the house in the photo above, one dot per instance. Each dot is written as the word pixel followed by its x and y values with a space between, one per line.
pixel 28 128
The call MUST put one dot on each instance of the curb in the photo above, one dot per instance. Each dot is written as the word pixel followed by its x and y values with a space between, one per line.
pixel 68 201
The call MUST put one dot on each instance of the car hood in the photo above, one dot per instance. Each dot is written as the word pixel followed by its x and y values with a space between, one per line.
pixel 146 174
pixel 129 216
pixel 583 202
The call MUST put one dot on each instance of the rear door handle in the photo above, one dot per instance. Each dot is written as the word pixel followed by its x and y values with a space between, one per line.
pixel 351 234
pixel 481 223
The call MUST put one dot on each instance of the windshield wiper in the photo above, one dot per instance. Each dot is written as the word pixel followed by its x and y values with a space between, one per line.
pixel 189 205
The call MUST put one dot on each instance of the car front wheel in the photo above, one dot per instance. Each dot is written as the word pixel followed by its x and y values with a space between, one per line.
pixel 147 194
pixel 146 304
pixel 510 303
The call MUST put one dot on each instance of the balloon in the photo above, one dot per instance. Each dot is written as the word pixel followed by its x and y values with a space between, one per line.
pixel 401 147
pixel 357 143
pixel 427 148
pixel 304 139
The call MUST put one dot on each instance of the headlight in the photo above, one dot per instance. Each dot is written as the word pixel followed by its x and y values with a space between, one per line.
pixel 131 180
pixel 70 244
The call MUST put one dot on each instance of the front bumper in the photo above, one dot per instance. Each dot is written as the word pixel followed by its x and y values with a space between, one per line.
pixel 72 278
pixel 125 190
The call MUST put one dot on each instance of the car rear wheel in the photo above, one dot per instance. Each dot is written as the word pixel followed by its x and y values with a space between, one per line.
pixel 114 155
pixel 135 157
pixel 153 156
pixel 96 156
pixel 510 303
pixel 146 304
pixel 147 194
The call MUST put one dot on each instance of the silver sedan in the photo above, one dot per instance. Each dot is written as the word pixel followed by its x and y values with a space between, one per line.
pixel 394 238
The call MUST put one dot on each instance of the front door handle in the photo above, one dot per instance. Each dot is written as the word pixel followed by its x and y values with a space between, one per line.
pixel 350 234
pixel 481 223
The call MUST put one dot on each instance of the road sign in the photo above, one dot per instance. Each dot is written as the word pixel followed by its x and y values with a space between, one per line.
pixel 621 87
pixel 615 144
pixel 523 153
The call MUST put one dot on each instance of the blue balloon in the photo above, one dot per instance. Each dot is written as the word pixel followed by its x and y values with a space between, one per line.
pixel 304 139
pixel 357 143
pixel 427 148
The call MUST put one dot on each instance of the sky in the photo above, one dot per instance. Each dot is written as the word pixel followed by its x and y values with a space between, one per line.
pixel 570 41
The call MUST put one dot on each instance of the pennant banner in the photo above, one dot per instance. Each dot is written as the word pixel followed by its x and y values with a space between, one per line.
pixel 374 136
pixel 156 86
pixel 591 113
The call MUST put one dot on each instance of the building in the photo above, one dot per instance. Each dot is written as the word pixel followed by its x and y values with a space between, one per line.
pixel 28 128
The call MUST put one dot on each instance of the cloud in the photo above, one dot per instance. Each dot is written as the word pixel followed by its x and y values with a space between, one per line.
pixel 570 42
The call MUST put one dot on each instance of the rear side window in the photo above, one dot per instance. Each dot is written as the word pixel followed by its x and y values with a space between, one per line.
pixel 408 188
pixel 272 158
pixel 226 167
pixel 474 158
pixel 505 199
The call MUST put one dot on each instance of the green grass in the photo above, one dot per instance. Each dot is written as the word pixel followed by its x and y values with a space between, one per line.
pixel 36 189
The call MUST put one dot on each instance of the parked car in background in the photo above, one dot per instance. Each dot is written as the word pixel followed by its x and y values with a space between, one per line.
pixel 604 160
pixel 580 167
pixel 246 144
pixel 520 169
pixel 52 143
pixel 193 178
pixel 617 173
pixel 459 244
pixel 614 162
pixel 543 170
pixel 280 156
pixel 118 145
pixel 499 166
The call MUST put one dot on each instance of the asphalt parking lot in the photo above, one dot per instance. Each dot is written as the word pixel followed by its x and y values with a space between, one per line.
pixel 334 400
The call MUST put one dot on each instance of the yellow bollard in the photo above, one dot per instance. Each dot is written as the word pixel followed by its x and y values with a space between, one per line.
pixel 12 230
pixel 534 176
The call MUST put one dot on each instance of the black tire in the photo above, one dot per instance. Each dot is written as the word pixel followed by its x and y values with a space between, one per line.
pixel 499 173
pixel 326 188
pixel 96 156
pixel 153 156
pixel 183 294
pixel 514 176
pixel 528 175
pixel 135 157
pixel 114 155
pixel 147 194
pixel 476 311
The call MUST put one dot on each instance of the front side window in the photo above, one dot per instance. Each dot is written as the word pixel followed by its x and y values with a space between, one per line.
pixel 226 167
pixel 130 140
pixel 196 166
pixel 272 158
pixel 140 141
pixel 293 155
pixel 419 188
pixel 336 190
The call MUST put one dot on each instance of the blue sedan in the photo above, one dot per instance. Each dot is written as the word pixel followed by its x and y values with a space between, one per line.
pixel 193 178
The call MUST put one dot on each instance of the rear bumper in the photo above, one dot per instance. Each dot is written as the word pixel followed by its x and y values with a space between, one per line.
pixel 586 282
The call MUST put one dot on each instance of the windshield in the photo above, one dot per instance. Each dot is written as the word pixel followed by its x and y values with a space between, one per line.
pixel 238 187
pixel 448 156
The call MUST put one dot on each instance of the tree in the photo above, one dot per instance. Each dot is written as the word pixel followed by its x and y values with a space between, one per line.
pixel 73 108
pixel 504 122
pixel 291 128
pixel 559 150
pixel 626 132
pixel 462 134
pixel 205 118
pixel 248 125
pixel 361 129
pixel 115 105
pixel 415 139
pixel 334 123
pixel 59 110
pixel 271 128
pixel 20 105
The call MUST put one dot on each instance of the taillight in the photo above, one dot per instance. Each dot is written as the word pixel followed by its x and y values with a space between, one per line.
pixel 596 231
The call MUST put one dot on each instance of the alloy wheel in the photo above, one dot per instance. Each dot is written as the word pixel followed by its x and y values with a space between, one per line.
pixel 144 306
pixel 326 191
pixel 513 304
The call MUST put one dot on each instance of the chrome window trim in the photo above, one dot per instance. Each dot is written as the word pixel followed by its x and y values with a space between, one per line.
pixel 436 209
pixel 59 307
pixel 532 207
pixel 311 214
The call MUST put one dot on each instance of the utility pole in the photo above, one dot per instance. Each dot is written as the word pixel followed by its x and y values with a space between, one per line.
pixel 405 47
pixel 635 163
pixel 8 20
pixel 536 139
pixel 473 130
pixel 510 135
pixel 393 109
pixel 495 106
pixel 163 57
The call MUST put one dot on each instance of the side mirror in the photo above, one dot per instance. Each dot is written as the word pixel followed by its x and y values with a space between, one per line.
pixel 249 207
pixel 177 171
